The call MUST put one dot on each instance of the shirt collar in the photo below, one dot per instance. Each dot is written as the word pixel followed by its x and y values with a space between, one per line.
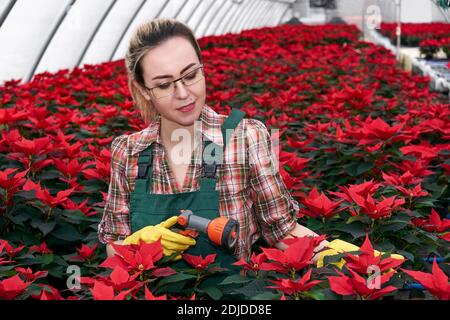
pixel 210 127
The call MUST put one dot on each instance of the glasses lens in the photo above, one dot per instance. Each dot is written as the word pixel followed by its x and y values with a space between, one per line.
pixel 193 77
pixel 164 90
pixel 168 88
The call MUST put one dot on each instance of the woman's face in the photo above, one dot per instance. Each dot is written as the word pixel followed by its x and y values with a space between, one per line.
pixel 168 61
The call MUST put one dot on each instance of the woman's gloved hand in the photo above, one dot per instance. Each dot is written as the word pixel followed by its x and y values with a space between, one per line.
pixel 171 242
pixel 339 246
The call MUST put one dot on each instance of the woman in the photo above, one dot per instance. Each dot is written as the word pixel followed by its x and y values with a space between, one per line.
pixel 166 79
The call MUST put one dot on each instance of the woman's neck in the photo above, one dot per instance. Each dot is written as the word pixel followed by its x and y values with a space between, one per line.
pixel 169 138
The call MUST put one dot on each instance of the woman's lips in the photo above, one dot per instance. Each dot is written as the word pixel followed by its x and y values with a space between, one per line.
pixel 187 108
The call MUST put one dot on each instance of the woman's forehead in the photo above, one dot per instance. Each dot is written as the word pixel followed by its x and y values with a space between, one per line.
pixel 169 57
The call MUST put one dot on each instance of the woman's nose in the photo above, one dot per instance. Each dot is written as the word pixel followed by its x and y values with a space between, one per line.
pixel 180 90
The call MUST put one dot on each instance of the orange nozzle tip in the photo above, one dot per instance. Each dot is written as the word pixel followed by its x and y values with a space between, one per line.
pixel 182 221
pixel 215 229
pixel 233 234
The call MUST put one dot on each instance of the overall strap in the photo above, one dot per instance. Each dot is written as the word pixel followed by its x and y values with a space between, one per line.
pixel 145 162
pixel 230 123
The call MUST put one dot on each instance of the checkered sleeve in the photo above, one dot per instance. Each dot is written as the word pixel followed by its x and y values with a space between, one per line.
pixel 273 205
pixel 115 222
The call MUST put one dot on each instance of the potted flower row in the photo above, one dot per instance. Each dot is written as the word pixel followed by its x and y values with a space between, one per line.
pixel 430 47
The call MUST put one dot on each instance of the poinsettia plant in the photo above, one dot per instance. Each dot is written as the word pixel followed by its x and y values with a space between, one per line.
pixel 413 33
pixel 429 47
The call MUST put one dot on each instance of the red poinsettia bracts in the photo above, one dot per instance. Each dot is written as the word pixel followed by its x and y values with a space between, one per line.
pixel 434 223
pixel 254 264
pixel 198 262
pixel 297 256
pixel 12 287
pixel 435 282
pixel 319 205
pixel 368 272
pixel 138 258
pixel 11 184
pixel 101 291
pixel 369 258
pixel 376 209
pixel 28 274
pixel 357 286
pixel 44 195
pixel 85 253
pixel 150 296
pixel 295 287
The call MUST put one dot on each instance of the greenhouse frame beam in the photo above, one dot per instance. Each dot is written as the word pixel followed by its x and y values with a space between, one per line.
pixel 125 30
pixel 6 12
pixel 222 26
pixel 254 19
pixel 220 16
pixel 86 47
pixel 204 15
pixel 193 11
pixel 219 8
pixel 46 44
pixel 240 25
pixel 180 9
pixel 238 17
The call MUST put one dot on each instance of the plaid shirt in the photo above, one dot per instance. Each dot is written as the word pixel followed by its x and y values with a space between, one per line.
pixel 251 190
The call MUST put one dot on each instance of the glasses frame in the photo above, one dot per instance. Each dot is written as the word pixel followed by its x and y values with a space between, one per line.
pixel 176 80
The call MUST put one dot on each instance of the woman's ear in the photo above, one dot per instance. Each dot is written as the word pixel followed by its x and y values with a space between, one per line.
pixel 143 92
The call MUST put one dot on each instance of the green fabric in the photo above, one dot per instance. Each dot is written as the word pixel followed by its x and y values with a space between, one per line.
pixel 150 209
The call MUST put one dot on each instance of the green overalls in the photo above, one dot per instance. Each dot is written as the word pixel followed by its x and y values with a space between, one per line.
pixel 150 209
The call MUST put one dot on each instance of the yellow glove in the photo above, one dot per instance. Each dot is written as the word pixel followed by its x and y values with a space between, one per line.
pixel 339 246
pixel 171 242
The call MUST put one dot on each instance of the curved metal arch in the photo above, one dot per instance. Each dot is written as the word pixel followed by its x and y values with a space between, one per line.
pixel 267 14
pixel 247 24
pixel 219 17
pixel 250 16
pixel 443 12
pixel 263 14
pixel 275 12
pixel 283 14
pixel 226 19
pixel 252 22
pixel 214 15
pixel 193 11
pixel 240 22
pixel 180 9
pixel 29 75
pixel 264 6
pixel 245 6
pixel 238 16
pixel 204 15
pixel 86 47
pixel 161 9
pixel 6 11
pixel 232 18
pixel 125 30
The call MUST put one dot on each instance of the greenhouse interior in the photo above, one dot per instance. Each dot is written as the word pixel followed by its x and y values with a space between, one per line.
pixel 323 168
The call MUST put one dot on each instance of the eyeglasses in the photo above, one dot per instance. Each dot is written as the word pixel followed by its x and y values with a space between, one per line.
pixel 168 88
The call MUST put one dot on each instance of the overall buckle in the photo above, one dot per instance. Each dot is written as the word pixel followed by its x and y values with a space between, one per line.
pixel 210 170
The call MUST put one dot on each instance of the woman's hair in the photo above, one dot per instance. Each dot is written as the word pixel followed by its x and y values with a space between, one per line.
pixel 147 36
